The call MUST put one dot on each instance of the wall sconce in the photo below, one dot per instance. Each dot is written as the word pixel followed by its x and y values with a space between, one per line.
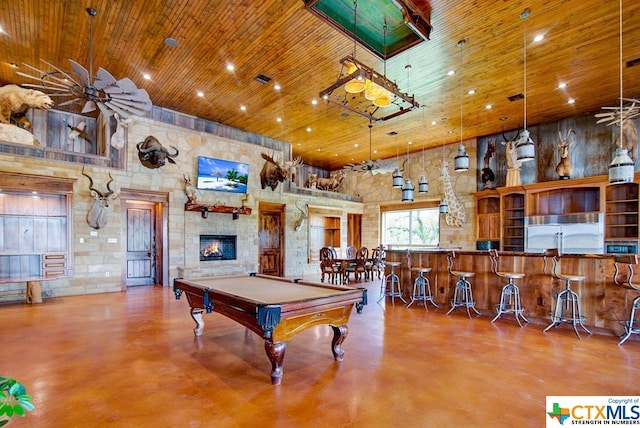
pixel 407 191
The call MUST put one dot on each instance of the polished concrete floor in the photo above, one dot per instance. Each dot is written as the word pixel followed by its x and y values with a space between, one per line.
pixel 131 360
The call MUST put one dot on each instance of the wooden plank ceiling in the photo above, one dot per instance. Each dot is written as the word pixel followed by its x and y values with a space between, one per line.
pixel 282 40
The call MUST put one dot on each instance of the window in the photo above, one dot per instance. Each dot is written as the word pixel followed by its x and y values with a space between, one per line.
pixel 417 227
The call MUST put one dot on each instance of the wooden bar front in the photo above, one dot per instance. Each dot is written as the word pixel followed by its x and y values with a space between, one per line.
pixel 605 305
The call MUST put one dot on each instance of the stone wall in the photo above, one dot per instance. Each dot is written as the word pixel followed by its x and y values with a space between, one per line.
pixel 97 255
pixel 376 190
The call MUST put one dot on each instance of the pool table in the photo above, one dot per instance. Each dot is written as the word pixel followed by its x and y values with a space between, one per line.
pixel 275 308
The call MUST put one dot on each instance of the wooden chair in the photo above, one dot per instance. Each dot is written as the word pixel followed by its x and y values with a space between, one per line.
pixel 358 268
pixel 375 263
pixel 328 266
pixel 631 325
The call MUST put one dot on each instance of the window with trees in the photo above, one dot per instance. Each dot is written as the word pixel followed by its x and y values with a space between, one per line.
pixel 418 227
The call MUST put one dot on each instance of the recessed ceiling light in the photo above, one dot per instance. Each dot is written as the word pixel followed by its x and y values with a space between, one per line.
pixel 200 93
pixel 231 67
pixel 355 145
pixel 434 122
pixel 409 142
pixel 318 149
pixel 326 97
pixel 243 108
pixel 571 101
pixel 451 72
pixel 314 101
pixel 375 151
pixel 146 76
pixel 471 91
pixel 1 30
pixel 277 87
pixel 488 106
pixel 538 38
pixel 278 119
pixel 562 85
pixel 308 129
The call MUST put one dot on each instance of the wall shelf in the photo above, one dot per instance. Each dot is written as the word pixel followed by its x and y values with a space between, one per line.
pixel 204 210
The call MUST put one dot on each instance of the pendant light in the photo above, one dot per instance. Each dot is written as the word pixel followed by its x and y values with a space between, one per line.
pixel 443 208
pixel 423 185
pixel 407 187
pixel 397 175
pixel 525 149
pixel 621 169
pixel 461 161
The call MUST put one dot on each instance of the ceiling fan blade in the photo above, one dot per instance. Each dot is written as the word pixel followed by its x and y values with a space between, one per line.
pixel 104 79
pixel 81 72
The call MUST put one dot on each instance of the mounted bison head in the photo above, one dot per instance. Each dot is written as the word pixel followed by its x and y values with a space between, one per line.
pixel 153 155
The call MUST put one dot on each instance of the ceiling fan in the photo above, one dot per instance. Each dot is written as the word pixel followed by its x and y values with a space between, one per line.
pixel 379 166
pixel 102 90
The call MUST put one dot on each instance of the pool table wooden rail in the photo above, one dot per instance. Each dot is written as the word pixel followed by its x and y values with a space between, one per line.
pixel 276 323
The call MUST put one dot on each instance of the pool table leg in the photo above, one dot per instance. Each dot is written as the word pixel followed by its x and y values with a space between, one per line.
pixel 340 333
pixel 196 314
pixel 275 352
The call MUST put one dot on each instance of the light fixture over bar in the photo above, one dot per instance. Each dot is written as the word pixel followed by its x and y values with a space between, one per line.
pixel 399 102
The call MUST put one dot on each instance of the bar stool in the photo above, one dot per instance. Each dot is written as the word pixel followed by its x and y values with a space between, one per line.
pixel 421 285
pixel 463 294
pixel 391 284
pixel 567 301
pixel 631 325
pixel 510 296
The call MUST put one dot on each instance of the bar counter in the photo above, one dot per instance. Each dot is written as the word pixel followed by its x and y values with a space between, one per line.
pixel 604 304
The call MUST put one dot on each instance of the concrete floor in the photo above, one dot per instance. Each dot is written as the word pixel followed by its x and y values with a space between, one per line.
pixel 131 360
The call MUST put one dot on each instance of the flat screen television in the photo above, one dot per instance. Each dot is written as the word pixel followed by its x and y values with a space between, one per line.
pixel 222 175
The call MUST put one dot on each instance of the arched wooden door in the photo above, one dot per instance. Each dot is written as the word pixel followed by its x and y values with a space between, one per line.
pixel 271 238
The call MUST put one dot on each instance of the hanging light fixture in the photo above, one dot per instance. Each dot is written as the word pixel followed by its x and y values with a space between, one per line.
pixel 525 149
pixel 461 161
pixel 621 169
pixel 396 177
pixel 407 187
pixel 443 208
pixel 423 185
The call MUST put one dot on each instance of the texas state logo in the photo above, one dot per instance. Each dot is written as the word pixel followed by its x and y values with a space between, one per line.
pixel 592 410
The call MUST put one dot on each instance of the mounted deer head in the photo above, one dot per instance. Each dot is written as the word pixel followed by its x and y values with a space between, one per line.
pixel 97 215
pixel 304 215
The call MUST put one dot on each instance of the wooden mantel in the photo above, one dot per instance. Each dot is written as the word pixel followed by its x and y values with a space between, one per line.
pixel 206 209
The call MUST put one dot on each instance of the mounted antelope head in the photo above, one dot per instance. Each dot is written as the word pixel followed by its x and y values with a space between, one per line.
pixel 564 167
pixel 97 215
pixel 304 214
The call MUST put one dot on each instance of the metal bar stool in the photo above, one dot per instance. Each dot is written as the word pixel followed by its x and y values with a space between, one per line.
pixel 567 301
pixel 631 325
pixel 510 296
pixel 463 294
pixel 391 284
pixel 421 285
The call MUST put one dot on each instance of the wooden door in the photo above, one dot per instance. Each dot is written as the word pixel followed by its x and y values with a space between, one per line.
pixel 141 244
pixel 354 230
pixel 271 239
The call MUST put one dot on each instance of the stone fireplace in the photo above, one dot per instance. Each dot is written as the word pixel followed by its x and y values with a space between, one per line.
pixel 217 247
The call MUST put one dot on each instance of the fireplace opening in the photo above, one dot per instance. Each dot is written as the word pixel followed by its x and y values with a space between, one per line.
pixel 217 247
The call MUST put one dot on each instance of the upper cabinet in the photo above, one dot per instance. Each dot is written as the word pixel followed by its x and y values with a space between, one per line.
pixel 487 220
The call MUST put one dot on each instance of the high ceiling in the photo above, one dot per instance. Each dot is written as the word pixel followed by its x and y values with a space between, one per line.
pixel 284 41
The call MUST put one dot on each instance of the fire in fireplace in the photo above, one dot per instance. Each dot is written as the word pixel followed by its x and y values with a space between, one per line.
pixel 217 247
